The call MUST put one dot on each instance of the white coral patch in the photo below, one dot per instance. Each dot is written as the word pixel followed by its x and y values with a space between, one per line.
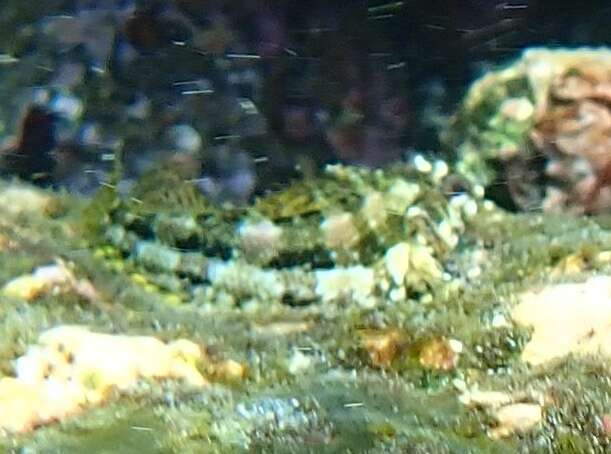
pixel 260 239
pixel 339 231
pixel 397 260
pixel 374 210
pixel 357 282
pixel 244 280
pixel 401 195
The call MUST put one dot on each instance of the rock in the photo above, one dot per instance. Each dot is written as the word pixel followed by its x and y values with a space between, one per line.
pixel 541 125
pixel 516 418
pixel 49 279
pixel 72 367
pixel 260 240
pixel 606 423
pixel 18 199
pixel 382 346
pixel 397 261
pixel 339 231
pixel 513 412
pixel 357 282
pixel 299 363
pixel 440 354
pixel 229 370
pixel 567 318
pixel 491 399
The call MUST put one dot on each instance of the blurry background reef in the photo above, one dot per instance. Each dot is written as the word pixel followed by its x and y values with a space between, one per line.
pixel 536 132
pixel 246 95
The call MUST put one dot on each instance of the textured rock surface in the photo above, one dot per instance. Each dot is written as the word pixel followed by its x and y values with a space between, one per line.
pixel 567 319
pixel 72 368
pixel 542 125
pixel 345 375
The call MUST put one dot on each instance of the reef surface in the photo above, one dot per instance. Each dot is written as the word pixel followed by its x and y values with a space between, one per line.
pixel 394 310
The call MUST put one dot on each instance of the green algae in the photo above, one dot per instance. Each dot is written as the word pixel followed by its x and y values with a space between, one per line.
pixel 348 404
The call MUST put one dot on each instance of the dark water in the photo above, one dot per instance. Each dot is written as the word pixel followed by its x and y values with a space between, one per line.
pixel 250 94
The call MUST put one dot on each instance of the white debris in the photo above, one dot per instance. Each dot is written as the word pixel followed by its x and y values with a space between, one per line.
pixel 422 165
pixel 260 240
pixel 299 363
pixel 401 195
pixel 355 282
pixel 397 261
pixel 516 418
pixel 514 413
pixel 339 231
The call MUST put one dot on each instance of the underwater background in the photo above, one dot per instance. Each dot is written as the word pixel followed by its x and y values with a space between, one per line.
pixel 252 93
pixel 265 226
